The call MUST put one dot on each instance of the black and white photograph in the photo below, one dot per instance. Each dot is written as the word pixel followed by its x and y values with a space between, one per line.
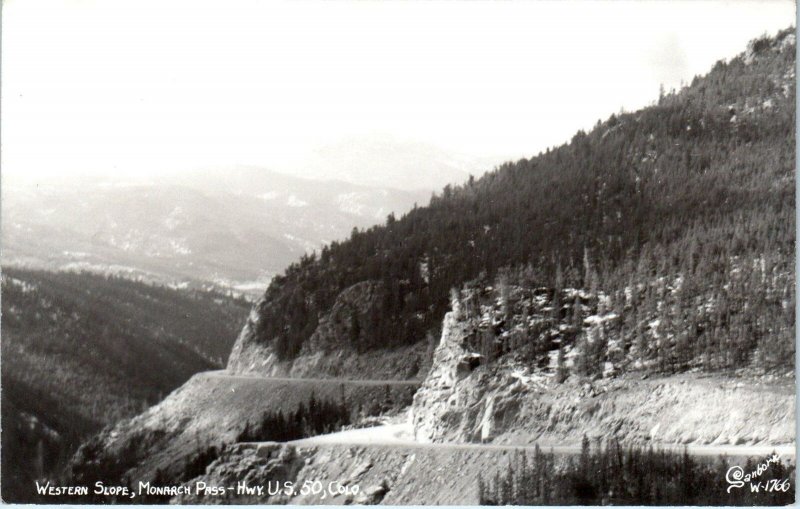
pixel 402 252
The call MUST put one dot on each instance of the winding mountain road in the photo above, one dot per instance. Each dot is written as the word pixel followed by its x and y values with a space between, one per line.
pixel 338 381
pixel 402 435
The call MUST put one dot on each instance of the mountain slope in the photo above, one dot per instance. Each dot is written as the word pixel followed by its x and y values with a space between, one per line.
pixel 81 351
pixel 659 246
pixel 698 186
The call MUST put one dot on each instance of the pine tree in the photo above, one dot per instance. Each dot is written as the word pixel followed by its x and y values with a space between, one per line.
pixel 562 372
pixel 355 328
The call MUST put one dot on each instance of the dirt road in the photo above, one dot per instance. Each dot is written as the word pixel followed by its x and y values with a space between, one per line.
pixel 334 381
pixel 402 435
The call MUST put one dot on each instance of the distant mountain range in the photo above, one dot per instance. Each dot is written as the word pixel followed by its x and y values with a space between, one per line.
pixel 233 228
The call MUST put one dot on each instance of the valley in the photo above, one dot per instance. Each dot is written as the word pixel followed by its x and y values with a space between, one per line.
pixel 611 321
pixel 82 351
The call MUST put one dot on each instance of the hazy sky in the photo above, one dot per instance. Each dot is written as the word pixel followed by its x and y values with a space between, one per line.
pixel 146 86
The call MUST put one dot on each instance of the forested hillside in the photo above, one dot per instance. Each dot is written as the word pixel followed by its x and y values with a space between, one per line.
pixel 81 351
pixel 698 188
pixel 618 475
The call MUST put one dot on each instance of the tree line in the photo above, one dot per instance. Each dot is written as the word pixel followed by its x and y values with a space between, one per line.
pixel 615 474
pixel 662 325
pixel 316 417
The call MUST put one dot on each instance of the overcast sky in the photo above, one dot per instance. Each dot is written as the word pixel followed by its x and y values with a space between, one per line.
pixel 117 87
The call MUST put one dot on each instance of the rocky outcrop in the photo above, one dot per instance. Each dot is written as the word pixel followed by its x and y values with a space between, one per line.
pixel 440 400
pixel 330 352
pixel 462 401
pixel 248 354
pixel 332 335
pixel 509 402
pixel 761 47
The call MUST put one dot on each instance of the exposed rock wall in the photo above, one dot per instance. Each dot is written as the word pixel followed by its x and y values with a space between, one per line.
pixel 440 394
pixel 506 402
pixel 248 354
pixel 329 352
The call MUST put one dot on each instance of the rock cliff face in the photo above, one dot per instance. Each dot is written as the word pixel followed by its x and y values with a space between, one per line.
pixel 510 402
pixel 331 351
pixel 440 407
pixel 248 355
